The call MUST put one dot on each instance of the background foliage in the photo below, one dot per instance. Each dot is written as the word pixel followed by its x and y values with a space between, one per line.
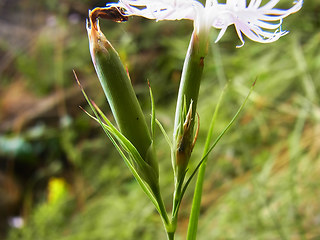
pixel 61 176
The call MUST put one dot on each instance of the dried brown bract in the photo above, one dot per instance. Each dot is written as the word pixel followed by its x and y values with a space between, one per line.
pixel 111 13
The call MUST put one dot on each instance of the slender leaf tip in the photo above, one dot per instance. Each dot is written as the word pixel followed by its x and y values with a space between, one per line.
pixel 76 77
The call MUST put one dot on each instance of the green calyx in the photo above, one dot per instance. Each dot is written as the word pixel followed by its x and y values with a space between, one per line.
pixel 118 89
pixel 187 103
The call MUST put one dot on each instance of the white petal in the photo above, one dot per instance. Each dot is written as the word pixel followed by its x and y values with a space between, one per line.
pixel 267 25
pixel 210 3
pixel 160 9
pixel 254 3
pixel 260 24
pixel 221 33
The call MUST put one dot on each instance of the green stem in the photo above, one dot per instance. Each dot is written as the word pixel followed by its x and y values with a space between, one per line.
pixel 162 208
pixel 162 211
pixel 183 133
pixel 193 223
pixel 188 97
pixel 170 235
pixel 196 204
pixel 195 209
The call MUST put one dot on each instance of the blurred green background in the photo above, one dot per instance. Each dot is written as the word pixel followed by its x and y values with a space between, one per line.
pixel 60 177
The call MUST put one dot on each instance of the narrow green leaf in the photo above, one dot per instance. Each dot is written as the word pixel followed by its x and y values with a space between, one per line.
pixel 154 196
pixel 153 111
pixel 196 203
pixel 164 133
pixel 145 170
pixel 140 181
pixel 178 196
pixel 215 142
pixel 123 140
pixel 108 130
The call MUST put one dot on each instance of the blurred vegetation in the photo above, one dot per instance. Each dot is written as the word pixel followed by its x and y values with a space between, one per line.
pixel 60 177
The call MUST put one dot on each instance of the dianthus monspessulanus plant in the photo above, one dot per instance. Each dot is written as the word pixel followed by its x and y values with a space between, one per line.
pixel 258 20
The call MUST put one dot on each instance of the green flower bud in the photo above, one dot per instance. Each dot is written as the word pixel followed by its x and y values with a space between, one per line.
pixel 116 84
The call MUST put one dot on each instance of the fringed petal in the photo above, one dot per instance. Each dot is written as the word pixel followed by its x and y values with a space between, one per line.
pixel 260 24
pixel 160 9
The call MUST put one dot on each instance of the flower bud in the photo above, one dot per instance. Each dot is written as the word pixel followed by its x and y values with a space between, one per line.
pixel 116 84
pixel 183 136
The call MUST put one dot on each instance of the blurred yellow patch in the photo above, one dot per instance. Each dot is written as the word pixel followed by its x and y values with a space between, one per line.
pixel 57 188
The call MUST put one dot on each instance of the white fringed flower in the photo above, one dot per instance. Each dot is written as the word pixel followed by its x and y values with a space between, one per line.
pixel 259 23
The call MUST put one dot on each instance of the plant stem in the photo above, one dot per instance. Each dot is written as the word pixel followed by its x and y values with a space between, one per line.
pixel 183 137
pixel 195 209
pixel 193 222
pixel 163 212
pixel 170 235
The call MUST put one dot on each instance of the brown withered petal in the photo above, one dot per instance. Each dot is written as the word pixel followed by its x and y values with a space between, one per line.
pixel 115 14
